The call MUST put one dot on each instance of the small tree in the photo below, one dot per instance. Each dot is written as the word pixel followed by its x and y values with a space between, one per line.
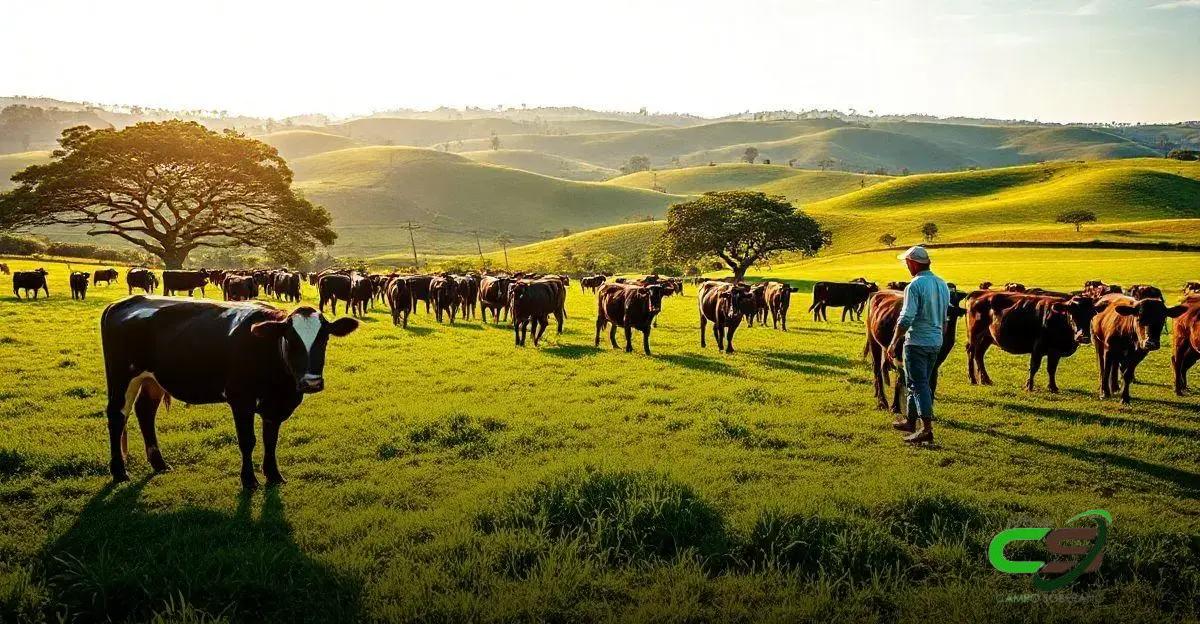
pixel 826 163
pixel 750 155
pixel 888 239
pixel 636 164
pixel 741 228
pixel 1076 218
pixel 930 231
pixel 505 240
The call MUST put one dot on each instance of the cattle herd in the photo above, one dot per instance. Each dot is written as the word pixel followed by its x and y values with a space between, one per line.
pixel 1123 325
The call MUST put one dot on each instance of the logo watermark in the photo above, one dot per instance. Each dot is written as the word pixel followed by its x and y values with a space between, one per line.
pixel 1078 559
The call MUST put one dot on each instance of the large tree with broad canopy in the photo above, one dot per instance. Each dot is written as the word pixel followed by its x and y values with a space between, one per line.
pixel 741 228
pixel 169 187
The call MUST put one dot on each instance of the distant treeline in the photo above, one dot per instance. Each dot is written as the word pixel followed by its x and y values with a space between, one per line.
pixel 1092 244
pixel 30 245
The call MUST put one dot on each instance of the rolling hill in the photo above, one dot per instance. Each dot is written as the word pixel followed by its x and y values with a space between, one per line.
pixel 1134 199
pixel 293 144
pixel 545 164
pixel 427 132
pixel 12 163
pixel 372 191
pixel 800 186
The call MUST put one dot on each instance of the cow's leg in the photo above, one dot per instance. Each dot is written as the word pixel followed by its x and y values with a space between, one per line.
pixel 877 372
pixel 981 365
pixel 703 330
pixel 612 336
pixel 719 336
pixel 118 387
pixel 243 422
pixel 517 334
pixel 483 313
pixel 729 339
pixel 539 328
pixel 146 407
pixel 270 467
pixel 1052 372
pixel 628 338
pixel 1183 359
pixel 824 310
pixel 1035 362
pixel 646 340
pixel 1129 370
pixel 599 326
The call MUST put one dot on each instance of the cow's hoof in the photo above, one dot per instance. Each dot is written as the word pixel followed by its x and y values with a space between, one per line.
pixel 163 467
pixel 275 479
pixel 1053 389
pixel 1029 387
pixel 249 482
pixel 120 478
pixel 1125 401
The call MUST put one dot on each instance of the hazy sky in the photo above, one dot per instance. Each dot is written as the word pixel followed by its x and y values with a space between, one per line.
pixel 1054 60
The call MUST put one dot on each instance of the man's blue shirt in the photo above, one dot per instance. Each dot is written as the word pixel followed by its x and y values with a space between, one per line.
pixel 924 312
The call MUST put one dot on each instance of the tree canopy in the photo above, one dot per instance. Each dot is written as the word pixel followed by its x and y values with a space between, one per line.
pixel 169 188
pixel 929 230
pixel 741 228
pixel 1076 218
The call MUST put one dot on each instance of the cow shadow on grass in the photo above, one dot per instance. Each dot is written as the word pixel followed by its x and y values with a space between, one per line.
pixel 811 363
pixel 122 560
pixel 701 363
pixel 418 330
pixel 1091 418
pixel 1187 482
pixel 570 352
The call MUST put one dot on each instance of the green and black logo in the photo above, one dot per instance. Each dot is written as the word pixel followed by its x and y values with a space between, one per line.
pixel 1077 559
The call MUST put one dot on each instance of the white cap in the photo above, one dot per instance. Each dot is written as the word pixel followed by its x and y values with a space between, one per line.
pixel 916 254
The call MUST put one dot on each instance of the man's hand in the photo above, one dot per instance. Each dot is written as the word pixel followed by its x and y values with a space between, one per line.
pixel 894 352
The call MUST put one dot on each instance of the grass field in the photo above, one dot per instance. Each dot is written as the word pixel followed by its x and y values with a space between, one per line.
pixel 545 164
pixel 446 475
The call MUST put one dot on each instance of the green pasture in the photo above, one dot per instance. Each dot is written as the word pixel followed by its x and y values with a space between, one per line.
pixel 448 476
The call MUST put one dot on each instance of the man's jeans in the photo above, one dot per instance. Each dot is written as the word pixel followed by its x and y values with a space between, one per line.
pixel 919 365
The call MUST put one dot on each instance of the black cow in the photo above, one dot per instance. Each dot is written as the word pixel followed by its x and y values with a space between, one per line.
pixel 144 279
pixel 174 281
pixel 493 296
pixel 850 296
pixel 79 285
pixel 334 287
pixel 591 282
pixel 253 357
pixel 108 276
pixel 399 300
pixel 443 290
pixel 27 281
pixel 631 307
pixel 724 305
pixel 287 286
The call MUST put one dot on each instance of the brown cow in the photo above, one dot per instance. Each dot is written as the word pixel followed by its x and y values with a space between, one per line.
pixel 493 296
pixel 443 292
pixel 532 302
pixel 4 270
pixel 883 312
pixel 1187 343
pixel 631 307
pixel 1191 288
pixel 1015 287
pixel 779 299
pixel 985 286
pixel 1038 325
pixel 1145 291
pixel 758 294
pixel 1126 330
pixel 399 300
pixel 238 287
pixel 900 286
pixel 1097 289
pixel 468 294
pixel 723 305
pixel 174 281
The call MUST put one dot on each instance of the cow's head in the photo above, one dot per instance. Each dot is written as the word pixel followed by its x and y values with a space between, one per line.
pixel 654 296
pixel 740 301
pixel 302 338
pixel 1078 313
pixel 41 271
pixel 1150 315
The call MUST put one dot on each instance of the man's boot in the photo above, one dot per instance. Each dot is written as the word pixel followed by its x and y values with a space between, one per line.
pixel 906 425
pixel 924 435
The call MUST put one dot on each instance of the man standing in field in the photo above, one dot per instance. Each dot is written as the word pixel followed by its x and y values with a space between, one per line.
pixel 922 317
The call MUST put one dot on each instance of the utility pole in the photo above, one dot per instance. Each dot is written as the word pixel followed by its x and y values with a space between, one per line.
pixel 411 228
pixel 478 245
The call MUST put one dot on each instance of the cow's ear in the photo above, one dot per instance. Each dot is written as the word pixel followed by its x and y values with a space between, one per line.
pixel 1060 306
pixel 1176 311
pixel 269 329
pixel 342 327
pixel 1125 310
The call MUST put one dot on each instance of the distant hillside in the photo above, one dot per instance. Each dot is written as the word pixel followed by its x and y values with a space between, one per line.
pixel 371 191
pixel 427 132
pixel 1134 199
pixel 12 163
pixel 617 247
pixel 545 164
pixel 800 186
pixel 294 144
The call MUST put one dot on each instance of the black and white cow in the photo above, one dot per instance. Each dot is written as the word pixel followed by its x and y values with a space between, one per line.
pixel 254 357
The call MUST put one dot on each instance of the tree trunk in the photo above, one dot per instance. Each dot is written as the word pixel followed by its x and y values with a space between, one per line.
pixel 173 258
